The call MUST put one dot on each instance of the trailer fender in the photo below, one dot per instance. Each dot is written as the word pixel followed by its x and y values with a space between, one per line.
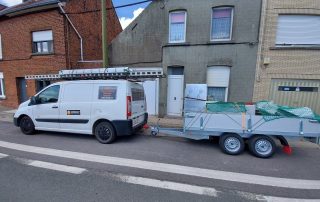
pixel 286 147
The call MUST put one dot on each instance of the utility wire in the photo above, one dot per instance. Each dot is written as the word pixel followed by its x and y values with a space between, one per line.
pixel 111 8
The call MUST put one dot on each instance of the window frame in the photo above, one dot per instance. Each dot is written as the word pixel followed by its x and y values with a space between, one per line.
pixel 35 44
pixel 226 91
pixel 3 95
pixel 1 52
pixel 185 26
pixel 231 23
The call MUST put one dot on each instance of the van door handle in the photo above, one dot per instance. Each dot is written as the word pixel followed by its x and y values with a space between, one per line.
pixel 55 107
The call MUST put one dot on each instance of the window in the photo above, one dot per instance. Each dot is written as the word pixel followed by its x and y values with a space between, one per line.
pixel 50 95
pixel 217 94
pixel 298 30
pixel 218 83
pixel 137 94
pixel 42 42
pixel 107 93
pixel 41 85
pixel 0 48
pixel 221 23
pixel 2 95
pixel 177 27
pixel 297 89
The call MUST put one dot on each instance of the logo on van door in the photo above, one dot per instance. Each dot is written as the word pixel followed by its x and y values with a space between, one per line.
pixel 73 112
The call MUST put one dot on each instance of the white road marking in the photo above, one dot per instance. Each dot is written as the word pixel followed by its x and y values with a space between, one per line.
pixel 171 168
pixel 3 155
pixel 280 199
pixel 255 197
pixel 56 167
pixel 168 185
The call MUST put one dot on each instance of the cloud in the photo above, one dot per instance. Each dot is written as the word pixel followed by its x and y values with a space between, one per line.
pixel 126 21
pixel 10 2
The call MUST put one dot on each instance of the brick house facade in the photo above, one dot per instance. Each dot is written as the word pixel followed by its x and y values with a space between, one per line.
pixel 288 67
pixel 20 25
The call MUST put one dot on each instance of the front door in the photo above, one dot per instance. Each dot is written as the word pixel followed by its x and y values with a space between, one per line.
pixel 175 95
pixel 22 90
pixel 46 111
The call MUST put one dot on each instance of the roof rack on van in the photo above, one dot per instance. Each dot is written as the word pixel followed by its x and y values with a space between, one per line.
pixel 102 73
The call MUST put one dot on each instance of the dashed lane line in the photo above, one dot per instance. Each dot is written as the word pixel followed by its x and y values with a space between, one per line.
pixel 3 155
pixel 167 185
pixel 56 167
pixel 171 168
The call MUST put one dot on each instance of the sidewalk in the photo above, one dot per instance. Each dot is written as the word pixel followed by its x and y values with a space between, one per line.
pixel 6 114
pixel 167 122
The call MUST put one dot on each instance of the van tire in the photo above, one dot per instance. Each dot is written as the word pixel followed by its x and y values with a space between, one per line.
pixel 27 126
pixel 104 132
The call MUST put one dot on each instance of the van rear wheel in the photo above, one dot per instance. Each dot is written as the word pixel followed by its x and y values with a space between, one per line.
pixel 105 133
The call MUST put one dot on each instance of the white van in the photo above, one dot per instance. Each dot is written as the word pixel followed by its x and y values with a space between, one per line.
pixel 104 108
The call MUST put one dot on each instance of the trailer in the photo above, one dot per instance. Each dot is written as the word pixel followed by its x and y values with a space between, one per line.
pixel 238 124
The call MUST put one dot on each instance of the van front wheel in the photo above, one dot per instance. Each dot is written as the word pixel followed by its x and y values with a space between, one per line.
pixel 105 133
pixel 27 126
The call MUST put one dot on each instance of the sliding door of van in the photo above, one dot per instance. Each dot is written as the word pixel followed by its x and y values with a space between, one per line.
pixel 75 107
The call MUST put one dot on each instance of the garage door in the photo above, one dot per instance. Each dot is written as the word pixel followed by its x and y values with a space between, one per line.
pixel 297 93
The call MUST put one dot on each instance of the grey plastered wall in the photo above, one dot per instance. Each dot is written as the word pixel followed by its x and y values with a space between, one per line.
pixel 145 43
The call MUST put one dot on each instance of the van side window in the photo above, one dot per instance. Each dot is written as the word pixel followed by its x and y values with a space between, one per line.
pixel 107 93
pixel 50 95
pixel 137 94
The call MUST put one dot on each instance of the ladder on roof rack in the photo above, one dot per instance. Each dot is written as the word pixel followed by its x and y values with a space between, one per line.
pixel 102 73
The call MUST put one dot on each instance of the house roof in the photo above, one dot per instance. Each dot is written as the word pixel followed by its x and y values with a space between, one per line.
pixel 28 6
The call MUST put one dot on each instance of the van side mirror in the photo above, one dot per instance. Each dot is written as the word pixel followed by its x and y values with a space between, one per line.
pixel 33 100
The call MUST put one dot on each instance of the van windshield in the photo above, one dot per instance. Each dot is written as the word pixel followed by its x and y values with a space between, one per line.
pixel 137 94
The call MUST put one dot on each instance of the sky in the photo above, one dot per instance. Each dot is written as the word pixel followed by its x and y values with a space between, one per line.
pixel 126 15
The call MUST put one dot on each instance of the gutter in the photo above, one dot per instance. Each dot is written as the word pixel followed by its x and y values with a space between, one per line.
pixel 264 7
pixel 75 29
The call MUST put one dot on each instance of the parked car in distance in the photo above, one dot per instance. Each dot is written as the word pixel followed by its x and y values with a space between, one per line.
pixel 104 108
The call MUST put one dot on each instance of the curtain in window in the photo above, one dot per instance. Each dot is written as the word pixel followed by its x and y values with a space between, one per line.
pixel 217 94
pixel 177 27
pixel 221 23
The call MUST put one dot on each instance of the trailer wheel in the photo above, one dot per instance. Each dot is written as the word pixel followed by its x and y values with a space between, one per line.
pixel 232 144
pixel 262 146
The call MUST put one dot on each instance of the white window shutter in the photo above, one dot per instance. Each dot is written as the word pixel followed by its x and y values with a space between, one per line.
pixel 42 36
pixel 0 48
pixel 218 76
pixel 298 30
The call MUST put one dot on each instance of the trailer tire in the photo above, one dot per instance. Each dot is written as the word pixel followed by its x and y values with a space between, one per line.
pixel 232 144
pixel 262 146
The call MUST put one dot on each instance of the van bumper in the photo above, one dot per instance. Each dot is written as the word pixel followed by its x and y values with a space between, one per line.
pixel 124 128
pixel 15 122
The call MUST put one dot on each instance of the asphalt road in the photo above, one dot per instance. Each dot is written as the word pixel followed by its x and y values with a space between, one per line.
pixel 19 181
